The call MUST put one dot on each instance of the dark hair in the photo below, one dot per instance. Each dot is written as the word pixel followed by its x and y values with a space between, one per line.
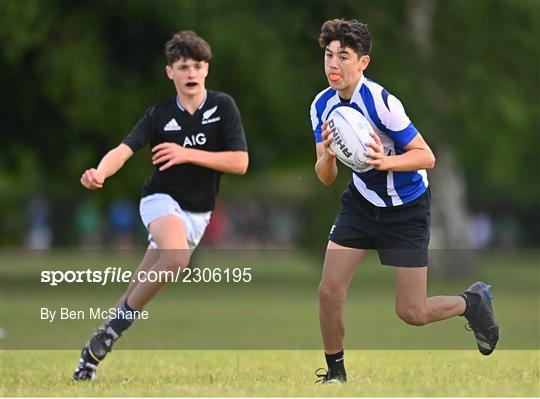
pixel 350 33
pixel 187 44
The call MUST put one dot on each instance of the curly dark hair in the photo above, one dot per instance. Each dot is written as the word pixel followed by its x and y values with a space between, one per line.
pixel 187 44
pixel 350 33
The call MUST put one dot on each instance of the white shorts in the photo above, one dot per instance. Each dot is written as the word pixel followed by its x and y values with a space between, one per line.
pixel 155 206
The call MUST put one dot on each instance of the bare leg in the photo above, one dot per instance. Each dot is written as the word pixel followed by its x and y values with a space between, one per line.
pixel 173 255
pixel 412 304
pixel 340 264
pixel 169 234
pixel 150 258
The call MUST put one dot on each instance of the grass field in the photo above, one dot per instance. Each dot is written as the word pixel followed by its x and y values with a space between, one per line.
pixel 249 325
pixel 277 310
pixel 274 373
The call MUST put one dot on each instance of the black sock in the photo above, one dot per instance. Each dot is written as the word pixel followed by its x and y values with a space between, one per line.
pixel 336 363
pixel 471 301
pixel 123 321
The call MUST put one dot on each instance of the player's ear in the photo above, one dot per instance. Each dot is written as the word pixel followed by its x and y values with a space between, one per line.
pixel 169 71
pixel 364 62
pixel 206 67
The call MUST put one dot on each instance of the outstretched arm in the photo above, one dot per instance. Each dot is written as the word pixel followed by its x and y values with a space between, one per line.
pixel 108 166
pixel 170 154
pixel 325 167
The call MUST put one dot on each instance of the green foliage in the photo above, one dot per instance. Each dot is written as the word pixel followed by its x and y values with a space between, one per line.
pixel 487 58
pixel 77 76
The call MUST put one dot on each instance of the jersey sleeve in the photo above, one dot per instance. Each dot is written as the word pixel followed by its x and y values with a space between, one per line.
pixel 395 122
pixel 141 133
pixel 233 129
pixel 316 122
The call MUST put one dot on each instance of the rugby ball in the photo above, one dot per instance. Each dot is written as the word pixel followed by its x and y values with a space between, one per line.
pixel 350 132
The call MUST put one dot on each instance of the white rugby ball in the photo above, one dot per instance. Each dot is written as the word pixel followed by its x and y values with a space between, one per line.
pixel 350 132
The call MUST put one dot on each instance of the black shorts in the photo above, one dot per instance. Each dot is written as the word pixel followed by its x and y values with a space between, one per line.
pixel 399 233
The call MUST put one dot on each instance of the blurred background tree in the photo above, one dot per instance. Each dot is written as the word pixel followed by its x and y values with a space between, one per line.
pixel 76 76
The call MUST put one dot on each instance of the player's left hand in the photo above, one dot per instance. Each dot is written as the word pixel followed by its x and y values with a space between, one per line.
pixel 170 153
pixel 377 157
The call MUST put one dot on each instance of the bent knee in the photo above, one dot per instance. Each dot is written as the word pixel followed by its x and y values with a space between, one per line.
pixel 331 295
pixel 415 316
pixel 174 260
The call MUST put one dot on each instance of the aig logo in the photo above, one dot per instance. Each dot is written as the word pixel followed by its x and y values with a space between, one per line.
pixel 194 139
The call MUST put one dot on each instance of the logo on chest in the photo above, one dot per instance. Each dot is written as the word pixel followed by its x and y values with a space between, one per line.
pixel 207 116
pixel 194 139
pixel 172 126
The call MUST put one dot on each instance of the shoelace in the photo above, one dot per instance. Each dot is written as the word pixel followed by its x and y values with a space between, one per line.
pixel 84 370
pixel 84 365
pixel 322 377
pixel 470 327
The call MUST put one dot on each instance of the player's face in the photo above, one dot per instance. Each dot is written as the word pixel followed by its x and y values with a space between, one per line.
pixel 188 76
pixel 343 68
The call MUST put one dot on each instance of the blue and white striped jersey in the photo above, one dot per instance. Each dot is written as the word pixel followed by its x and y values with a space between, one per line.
pixel 387 116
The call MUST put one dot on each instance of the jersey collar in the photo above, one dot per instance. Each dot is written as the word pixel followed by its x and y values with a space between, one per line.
pixel 356 91
pixel 200 106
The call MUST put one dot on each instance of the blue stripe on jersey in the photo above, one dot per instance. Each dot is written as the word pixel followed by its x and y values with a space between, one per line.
pixel 403 137
pixel 408 185
pixel 367 98
pixel 320 105
pixel 385 98
pixel 400 138
pixel 376 180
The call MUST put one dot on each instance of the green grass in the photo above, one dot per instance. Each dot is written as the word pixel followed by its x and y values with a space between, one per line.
pixel 278 310
pixel 274 373
pixel 283 293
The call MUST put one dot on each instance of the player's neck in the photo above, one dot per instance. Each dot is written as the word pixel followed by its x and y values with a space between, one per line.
pixel 192 103
pixel 348 91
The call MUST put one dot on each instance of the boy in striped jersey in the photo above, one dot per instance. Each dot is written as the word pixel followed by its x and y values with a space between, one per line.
pixel 387 208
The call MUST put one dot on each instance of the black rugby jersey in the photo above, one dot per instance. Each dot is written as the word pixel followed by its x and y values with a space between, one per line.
pixel 215 126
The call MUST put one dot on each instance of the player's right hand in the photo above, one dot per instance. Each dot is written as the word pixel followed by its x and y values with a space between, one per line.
pixel 327 139
pixel 92 179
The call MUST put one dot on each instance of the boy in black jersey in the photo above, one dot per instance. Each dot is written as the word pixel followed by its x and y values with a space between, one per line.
pixel 194 136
